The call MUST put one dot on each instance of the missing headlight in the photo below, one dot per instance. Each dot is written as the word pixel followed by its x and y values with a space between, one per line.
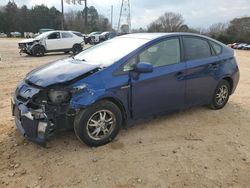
pixel 59 96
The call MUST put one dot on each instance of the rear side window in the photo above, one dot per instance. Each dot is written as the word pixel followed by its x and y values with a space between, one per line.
pixel 66 35
pixel 196 48
pixel 217 48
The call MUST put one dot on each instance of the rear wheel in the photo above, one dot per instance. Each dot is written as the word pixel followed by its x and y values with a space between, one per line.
pixel 98 124
pixel 38 51
pixel 221 95
pixel 77 48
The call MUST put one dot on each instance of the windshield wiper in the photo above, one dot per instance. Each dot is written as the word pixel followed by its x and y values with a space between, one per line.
pixel 73 57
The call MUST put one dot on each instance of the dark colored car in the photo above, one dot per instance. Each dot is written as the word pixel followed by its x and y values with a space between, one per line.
pixel 122 80
pixel 107 35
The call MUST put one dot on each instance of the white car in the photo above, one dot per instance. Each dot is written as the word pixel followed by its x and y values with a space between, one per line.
pixel 52 41
pixel 3 35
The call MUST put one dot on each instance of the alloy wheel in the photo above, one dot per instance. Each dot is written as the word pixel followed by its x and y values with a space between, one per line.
pixel 101 124
pixel 222 95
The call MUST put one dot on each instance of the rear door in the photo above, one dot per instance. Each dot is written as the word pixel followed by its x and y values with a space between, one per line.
pixel 163 90
pixel 68 40
pixel 202 67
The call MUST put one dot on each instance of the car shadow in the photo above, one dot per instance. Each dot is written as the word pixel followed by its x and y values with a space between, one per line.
pixel 67 140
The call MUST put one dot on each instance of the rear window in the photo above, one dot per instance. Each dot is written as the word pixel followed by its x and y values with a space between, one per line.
pixel 78 34
pixel 217 48
pixel 196 48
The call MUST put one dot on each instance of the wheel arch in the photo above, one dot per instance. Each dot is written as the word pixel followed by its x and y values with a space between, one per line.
pixel 119 104
pixel 230 81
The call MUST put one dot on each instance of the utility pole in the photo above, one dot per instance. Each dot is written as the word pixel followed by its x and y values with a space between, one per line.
pixel 111 19
pixel 62 21
pixel 86 16
pixel 125 17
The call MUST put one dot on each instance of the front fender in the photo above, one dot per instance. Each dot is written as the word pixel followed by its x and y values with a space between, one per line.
pixel 89 97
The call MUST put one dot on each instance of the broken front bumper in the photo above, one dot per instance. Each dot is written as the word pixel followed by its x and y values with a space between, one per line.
pixel 24 48
pixel 32 124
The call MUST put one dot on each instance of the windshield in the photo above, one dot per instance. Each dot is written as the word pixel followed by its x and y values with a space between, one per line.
pixel 43 35
pixel 110 51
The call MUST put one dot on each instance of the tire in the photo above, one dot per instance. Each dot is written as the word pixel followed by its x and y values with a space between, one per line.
pixel 221 95
pixel 77 48
pixel 99 124
pixel 38 51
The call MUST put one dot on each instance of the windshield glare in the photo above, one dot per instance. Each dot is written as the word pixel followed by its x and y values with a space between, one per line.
pixel 110 51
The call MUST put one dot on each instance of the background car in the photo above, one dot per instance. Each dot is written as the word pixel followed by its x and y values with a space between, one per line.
pixel 107 35
pixel 240 46
pixel 2 35
pixel 15 34
pixel 87 38
pixel 52 41
pixel 247 47
pixel 122 80
pixel 233 45
pixel 41 31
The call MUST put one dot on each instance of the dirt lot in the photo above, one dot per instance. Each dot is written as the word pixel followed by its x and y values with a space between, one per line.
pixel 195 148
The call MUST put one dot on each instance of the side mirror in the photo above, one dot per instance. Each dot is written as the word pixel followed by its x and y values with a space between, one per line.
pixel 143 67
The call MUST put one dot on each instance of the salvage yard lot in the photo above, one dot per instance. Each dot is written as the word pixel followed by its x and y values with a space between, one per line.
pixel 194 148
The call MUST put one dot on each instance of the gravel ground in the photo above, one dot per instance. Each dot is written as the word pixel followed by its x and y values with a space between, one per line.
pixel 198 147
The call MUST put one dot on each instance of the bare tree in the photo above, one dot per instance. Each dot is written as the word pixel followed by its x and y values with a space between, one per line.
pixel 168 22
pixel 217 30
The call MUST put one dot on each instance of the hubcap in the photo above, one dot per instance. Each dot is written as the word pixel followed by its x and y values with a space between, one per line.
pixel 101 124
pixel 221 95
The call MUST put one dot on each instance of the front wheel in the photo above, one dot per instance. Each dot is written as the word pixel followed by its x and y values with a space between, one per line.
pixel 38 51
pixel 98 124
pixel 221 95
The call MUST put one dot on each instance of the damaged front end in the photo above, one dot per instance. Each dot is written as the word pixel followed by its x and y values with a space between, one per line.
pixel 42 101
pixel 40 112
pixel 26 46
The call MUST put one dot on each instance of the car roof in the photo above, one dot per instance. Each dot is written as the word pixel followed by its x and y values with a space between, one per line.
pixel 151 36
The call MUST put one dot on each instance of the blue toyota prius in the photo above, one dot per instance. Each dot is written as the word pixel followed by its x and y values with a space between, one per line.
pixel 130 77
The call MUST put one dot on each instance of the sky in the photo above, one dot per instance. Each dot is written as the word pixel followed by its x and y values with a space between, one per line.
pixel 196 13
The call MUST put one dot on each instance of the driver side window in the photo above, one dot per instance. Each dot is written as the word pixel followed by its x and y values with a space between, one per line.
pixel 54 36
pixel 163 53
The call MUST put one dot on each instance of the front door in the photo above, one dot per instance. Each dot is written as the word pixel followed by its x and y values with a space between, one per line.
pixel 53 41
pixel 163 90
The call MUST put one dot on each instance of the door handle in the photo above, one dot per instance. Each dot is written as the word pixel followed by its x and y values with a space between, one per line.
pixel 179 75
pixel 213 66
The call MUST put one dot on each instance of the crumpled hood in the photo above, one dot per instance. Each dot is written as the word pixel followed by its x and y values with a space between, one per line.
pixel 59 72
pixel 27 40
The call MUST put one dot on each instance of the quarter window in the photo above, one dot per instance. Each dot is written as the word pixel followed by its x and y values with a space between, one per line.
pixel 217 48
pixel 129 65
pixel 164 53
pixel 196 48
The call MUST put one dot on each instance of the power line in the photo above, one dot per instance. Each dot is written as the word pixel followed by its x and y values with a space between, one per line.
pixel 124 23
